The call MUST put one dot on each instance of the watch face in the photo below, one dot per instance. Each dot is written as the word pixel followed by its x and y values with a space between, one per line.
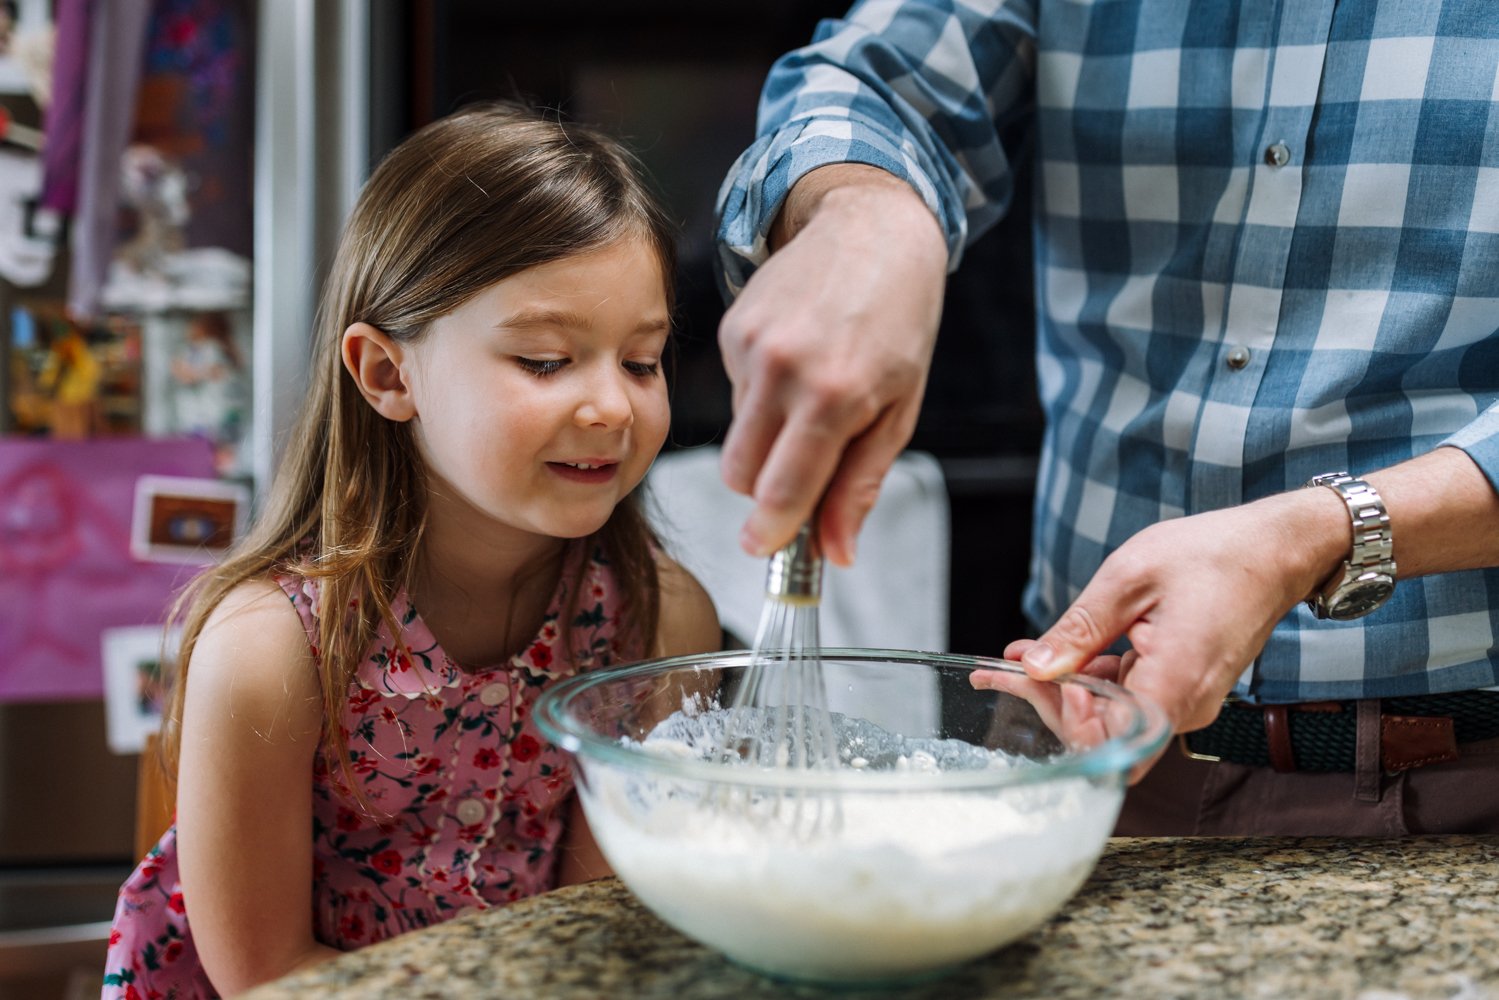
pixel 1360 597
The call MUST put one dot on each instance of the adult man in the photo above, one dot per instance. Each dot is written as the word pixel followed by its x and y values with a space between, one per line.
pixel 1267 244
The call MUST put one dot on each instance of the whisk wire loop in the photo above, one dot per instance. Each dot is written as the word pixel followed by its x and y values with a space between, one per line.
pixel 779 717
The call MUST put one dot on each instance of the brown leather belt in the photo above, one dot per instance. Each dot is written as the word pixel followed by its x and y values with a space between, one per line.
pixel 1323 735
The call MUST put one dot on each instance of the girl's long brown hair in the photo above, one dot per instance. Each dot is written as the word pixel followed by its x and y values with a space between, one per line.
pixel 468 200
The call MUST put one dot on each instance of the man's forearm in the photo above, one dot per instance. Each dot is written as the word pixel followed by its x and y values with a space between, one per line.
pixel 1444 513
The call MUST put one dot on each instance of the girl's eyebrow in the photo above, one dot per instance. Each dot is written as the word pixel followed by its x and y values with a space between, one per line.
pixel 542 317
pixel 527 318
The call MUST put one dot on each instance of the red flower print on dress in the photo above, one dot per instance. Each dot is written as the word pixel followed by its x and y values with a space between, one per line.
pixel 175 904
pixel 352 927
pixel 525 748
pixel 541 655
pixel 486 758
pixel 347 819
pixel 173 952
pixel 534 828
pixel 363 700
pixel 387 861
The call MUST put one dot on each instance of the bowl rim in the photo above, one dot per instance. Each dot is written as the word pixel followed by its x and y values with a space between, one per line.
pixel 1147 733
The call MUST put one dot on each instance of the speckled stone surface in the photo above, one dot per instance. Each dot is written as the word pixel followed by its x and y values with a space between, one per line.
pixel 1210 918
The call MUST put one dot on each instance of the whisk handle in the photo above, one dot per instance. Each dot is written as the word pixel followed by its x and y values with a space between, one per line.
pixel 795 573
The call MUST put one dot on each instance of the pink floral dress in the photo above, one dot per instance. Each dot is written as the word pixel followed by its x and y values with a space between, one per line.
pixel 475 800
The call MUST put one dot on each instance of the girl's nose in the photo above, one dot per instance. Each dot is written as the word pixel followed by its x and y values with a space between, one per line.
pixel 606 403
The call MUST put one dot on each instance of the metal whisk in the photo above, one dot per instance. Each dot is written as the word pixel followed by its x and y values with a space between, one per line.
pixel 779 716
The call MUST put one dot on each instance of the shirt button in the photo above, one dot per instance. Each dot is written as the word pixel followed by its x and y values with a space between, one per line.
pixel 494 694
pixel 471 811
pixel 1277 155
pixel 1238 357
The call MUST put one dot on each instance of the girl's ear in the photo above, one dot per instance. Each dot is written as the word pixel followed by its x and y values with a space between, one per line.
pixel 374 361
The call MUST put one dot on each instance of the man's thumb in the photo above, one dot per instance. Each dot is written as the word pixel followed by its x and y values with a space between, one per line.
pixel 1080 635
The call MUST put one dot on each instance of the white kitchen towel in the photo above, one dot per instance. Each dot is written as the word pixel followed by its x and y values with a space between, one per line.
pixel 894 596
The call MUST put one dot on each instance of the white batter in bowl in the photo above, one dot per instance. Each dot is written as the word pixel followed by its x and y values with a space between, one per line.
pixel 923 850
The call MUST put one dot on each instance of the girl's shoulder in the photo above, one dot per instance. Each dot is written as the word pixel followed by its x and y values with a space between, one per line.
pixel 689 621
pixel 255 604
pixel 252 650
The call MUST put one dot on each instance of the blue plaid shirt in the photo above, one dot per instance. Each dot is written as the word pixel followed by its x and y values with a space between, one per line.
pixel 1267 246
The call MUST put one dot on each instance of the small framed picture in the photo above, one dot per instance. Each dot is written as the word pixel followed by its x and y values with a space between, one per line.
pixel 177 519
pixel 138 665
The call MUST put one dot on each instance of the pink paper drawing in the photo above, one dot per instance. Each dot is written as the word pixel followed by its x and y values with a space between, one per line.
pixel 66 572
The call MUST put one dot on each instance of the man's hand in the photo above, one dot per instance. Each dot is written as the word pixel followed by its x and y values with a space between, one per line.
pixel 1198 598
pixel 828 349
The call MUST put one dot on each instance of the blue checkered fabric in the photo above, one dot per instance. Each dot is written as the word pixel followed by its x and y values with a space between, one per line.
pixel 1267 247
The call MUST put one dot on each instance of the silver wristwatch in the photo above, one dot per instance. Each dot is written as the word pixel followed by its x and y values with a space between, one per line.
pixel 1367 579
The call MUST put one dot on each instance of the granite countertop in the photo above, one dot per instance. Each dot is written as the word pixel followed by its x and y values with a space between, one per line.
pixel 1195 917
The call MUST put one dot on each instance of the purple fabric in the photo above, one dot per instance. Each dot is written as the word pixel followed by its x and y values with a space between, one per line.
pixel 117 52
pixel 66 571
pixel 64 119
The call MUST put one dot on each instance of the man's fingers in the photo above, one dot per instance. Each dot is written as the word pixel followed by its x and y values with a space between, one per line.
pixel 856 483
pixel 751 435
pixel 1076 638
pixel 790 484
pixel 1109 606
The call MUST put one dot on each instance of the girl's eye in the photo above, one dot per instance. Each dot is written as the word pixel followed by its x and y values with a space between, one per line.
pixel 643 368
pixel 541 366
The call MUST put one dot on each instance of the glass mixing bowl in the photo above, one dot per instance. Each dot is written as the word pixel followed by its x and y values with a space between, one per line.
pixel 964 805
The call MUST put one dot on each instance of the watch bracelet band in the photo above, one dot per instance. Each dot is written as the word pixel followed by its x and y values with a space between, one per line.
pixel 1372 545
pixel 1372 549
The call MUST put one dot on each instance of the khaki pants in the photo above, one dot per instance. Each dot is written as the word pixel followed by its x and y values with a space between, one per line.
pixel 1185 797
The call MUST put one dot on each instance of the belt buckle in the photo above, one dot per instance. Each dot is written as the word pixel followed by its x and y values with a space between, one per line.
pixel 1190 754
pixel 1186 748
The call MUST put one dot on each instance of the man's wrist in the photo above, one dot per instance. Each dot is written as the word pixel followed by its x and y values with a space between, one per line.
pixel 849 187
pixel 1316 538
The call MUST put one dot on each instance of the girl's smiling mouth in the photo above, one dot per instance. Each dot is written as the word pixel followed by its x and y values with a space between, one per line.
pixel 593 471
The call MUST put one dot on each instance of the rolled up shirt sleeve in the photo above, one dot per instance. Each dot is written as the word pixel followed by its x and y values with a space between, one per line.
pixel 1480 439
pixel 929 91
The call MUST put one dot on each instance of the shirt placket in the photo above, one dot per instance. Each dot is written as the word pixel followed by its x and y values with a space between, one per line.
pixel 1238 357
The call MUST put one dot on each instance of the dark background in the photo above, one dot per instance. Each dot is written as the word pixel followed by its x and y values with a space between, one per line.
pixel 678 80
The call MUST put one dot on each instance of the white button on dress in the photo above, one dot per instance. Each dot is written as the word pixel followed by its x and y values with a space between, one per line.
pixel 471 811
pixel 494 694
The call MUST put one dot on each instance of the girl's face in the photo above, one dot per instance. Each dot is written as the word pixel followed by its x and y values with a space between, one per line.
pixel 540 401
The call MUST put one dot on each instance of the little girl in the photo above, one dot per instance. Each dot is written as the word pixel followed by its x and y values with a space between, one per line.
pixel 452 529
